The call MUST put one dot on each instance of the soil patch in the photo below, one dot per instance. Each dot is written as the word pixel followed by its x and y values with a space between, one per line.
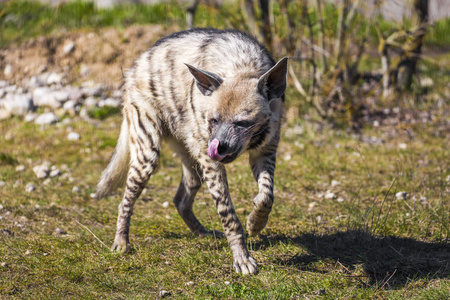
pixel 102 55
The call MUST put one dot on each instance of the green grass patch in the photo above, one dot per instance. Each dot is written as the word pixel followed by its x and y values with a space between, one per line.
pixel 101 113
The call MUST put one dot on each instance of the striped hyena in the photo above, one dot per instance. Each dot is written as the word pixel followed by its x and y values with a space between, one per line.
pixel 212 95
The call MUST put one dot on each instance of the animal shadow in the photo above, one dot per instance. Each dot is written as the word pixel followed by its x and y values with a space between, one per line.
pixel 392 261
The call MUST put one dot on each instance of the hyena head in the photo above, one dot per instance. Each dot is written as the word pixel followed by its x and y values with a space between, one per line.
pixel 244 111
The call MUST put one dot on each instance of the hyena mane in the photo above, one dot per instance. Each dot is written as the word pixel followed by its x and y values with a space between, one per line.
pixel 213 95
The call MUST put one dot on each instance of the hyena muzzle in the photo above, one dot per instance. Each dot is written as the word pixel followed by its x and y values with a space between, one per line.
pixel 212 95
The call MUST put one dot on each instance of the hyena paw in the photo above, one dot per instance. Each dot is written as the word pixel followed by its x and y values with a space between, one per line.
pixel 246 265
pixel 120 245
pixel 256 221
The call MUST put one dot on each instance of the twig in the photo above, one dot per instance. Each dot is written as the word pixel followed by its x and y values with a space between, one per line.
pixel 91 233
pixel 385 282
pixel 297 83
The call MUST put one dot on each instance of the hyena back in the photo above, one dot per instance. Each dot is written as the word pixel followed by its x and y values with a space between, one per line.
pixel 212 95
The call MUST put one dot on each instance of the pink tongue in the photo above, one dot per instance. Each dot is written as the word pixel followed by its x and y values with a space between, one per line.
pixel 213 150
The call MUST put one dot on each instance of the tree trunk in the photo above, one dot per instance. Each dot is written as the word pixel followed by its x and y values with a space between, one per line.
pixel 407 67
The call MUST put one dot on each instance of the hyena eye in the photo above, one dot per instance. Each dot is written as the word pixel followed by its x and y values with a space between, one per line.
pixel 242 124
pixel 214 122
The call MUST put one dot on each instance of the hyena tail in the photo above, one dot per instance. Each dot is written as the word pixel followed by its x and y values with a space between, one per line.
pixel 116 172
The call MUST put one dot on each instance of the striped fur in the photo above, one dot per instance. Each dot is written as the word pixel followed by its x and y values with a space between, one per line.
pixel 212 95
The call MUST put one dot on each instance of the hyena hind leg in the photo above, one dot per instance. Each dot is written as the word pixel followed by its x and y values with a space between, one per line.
pixel 191 182
pixel 144 151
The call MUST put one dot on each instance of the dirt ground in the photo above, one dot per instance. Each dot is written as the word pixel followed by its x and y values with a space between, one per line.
pixel 102 56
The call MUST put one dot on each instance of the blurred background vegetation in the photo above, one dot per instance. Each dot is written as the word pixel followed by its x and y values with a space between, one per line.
pixel 348 57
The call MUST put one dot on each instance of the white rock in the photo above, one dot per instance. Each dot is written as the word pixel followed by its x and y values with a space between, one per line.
pixel 17 104
pixel 426 82
pixel 109 102
pixel 28 252
pixel 76 189
pixel 73 136
pixel 55 173
pixel 2 184
pixel 340 199
pixel 54 78
pixel 74 93
pixel 165 204
pixel 329 195
pixel 4 264
pixel 227 282
pixel 20 168
pixel 69 47
pixel 30 187
pixel 401 195
pixel 189 283
pixel 46 119
pixel 335 183
pixel 164 293
pixel 44 96
pixel 319 219
pixel 90 102
pixel 402 146
pixel 61 96
pixel 41 171
pixel 8 70
pixel 30 117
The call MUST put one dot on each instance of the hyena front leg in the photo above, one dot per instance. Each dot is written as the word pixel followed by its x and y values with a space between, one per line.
pixel 188 188
pixel 216 179
pixel 144 154
pixel 263 167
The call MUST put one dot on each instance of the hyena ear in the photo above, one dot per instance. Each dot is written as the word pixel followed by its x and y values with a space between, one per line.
pixel 206 81
pixel 274 80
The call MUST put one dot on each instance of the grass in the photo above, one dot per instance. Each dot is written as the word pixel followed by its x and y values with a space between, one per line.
pixel 370 245
pixel 22 19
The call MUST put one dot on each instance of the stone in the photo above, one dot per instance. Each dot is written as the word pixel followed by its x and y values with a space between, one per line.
pixel 76 189
pixel 164 293
pixel 90 102
pixel 109 102
pixel 30 117
pixel 17 104
pixel 55 173
pixel 20 168
pixel 2 184
pixel 41 171
pixel 73 136
pixel 44 96
pixel 30 187
pixel 402 146
pixel 329 195
pixel 46 119
pixel 401 195
pixel 69 47
pixel 8 70
pixel 54 78
pixel 165 204
pixel 335 183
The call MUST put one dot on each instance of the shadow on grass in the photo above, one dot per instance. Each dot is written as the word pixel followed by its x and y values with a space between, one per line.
pixel 391 261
